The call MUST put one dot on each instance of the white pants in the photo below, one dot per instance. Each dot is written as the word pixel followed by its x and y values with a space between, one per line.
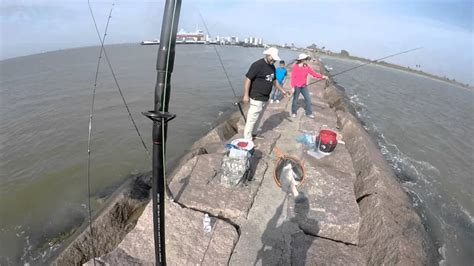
pixel 254 115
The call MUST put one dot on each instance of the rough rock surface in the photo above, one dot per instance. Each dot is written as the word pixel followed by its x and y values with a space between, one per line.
pixel 329 208
pixel 390 232
pixel 197 186
pixel 186 241
pixel 110 226
pixel 350 210
pixel 309 250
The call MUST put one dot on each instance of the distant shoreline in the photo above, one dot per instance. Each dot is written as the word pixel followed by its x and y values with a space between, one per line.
pixel 407 69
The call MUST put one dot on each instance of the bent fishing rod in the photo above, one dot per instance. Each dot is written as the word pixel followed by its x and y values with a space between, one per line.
pixel 237 102
pixel 160 118
pixel 91 118
pixel 368 63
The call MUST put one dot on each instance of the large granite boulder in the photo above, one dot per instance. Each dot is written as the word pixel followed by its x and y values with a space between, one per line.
pixel 110 226
pixel 327 205
pixel 390 232
pixel 186 241
pixel 309 250
pixel 197 186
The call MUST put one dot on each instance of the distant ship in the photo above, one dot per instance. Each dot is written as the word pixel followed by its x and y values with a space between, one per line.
pixel 151 42
pixel 184 37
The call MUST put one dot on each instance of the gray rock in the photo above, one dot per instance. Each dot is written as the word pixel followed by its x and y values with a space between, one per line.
pixel 219 134
pixel 309 250
pixel 309 125
pixel 390 232
pixel 183 160
pixel 328 207
pixel 265 146
pixel 110 226
pixel 338 160
pixel 201 189
pixel 186 241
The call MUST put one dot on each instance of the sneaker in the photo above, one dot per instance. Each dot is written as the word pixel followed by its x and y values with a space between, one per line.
pixel 311 116
pixel 271 101
pixel 254 136
pixel 293 115
pixel 277 101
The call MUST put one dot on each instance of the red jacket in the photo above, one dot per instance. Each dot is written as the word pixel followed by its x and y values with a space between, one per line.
pixel 299 75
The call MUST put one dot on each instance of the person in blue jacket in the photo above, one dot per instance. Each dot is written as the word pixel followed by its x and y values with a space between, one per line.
pixel 280 76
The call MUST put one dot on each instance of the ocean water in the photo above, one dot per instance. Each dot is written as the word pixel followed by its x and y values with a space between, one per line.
pixel 45 104
pixel 424 129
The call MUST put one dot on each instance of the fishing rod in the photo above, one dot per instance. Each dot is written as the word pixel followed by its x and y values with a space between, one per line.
pixel 160 118
pixel 237 102
pixel 367 63
pixel 91 117
pixel 115 76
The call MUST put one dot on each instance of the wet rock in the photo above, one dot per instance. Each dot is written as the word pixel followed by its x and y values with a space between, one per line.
pixel 373 173
pixel 390 232
pixel 335 99
pixel 110 226
pixel 309 250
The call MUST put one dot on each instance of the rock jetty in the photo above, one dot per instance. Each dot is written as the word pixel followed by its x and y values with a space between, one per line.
pixel 351 209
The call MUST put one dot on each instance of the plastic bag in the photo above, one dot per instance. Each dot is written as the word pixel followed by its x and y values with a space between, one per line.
pixel 307 139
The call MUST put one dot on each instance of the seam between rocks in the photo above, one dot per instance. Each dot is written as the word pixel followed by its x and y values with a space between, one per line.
pixel 359 199
pixel 330 239
pixel 227 220
pixel 209 244
pixel 256 192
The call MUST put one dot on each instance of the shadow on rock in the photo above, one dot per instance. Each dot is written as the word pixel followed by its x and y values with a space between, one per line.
pixel 274 120
pixel 256 158
pixel 301 218
pixel 276 239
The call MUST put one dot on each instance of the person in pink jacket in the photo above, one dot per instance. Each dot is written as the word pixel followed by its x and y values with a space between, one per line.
pixel 299 77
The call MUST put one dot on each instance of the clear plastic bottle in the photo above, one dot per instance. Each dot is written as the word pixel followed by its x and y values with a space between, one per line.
pixel 207 223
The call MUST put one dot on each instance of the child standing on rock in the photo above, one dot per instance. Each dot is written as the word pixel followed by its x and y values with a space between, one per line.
pixel 299 76
pixel 280 76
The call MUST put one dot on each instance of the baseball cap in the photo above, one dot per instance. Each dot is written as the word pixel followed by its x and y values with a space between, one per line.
pixel 272 51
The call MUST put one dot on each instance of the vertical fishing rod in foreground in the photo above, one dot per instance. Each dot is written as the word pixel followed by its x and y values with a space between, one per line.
pixel 160 118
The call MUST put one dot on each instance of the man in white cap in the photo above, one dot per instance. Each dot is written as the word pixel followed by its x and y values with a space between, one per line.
pixel 258 85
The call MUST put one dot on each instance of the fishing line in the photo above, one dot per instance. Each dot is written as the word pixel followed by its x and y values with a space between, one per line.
pixel 91 117
pixel 370 62
pixel 237 100
pixel 114 76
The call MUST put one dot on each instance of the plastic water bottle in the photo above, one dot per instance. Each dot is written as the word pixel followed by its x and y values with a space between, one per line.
pixel 207 223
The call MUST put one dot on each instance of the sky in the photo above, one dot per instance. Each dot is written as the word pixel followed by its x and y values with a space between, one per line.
pixel 369 28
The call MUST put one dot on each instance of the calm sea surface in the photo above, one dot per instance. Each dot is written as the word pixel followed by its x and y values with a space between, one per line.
pixel 424 128
pixel 45 104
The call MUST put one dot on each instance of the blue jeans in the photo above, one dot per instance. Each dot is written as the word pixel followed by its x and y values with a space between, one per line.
pixel 307 100
pixel 276 93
